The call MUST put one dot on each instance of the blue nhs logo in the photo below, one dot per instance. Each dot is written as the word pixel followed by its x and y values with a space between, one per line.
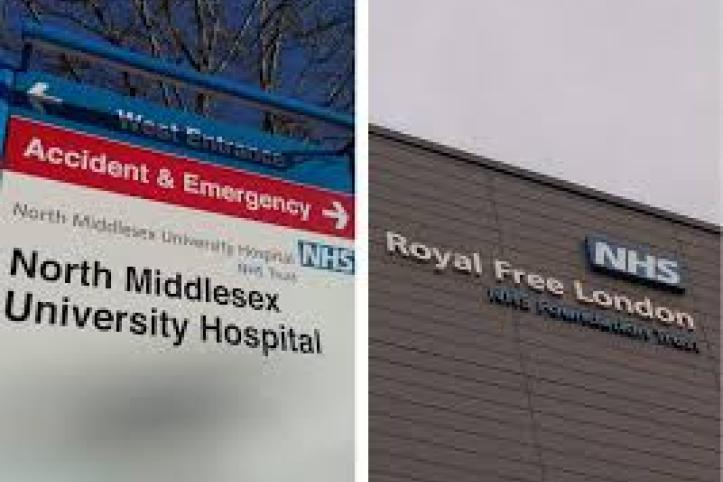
pixel 326 257
pixel 634 263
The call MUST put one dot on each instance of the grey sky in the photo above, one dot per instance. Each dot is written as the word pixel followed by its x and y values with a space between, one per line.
pixel 621 95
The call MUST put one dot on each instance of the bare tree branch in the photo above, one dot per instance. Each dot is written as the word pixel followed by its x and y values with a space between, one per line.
pixel 298 47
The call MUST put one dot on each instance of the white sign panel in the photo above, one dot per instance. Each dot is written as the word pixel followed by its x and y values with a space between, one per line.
pixel 158 320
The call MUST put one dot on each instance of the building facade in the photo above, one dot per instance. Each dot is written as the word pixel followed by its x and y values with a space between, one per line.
pixel 526 329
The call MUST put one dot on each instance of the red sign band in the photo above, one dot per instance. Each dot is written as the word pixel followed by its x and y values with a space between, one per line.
pixel 69 156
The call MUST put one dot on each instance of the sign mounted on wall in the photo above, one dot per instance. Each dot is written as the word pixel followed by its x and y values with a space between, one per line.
pixel 540 292
pixel 634 263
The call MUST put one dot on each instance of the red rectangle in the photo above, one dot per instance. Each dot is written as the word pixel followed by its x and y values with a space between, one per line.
pixel 77 158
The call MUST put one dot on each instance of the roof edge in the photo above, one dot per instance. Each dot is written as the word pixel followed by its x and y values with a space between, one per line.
pixel 528 175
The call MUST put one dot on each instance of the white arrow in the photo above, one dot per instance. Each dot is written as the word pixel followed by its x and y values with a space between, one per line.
pixel 37 95
pixel 338 213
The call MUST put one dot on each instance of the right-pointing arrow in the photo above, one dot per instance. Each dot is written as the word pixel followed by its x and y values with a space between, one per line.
pixel 338 213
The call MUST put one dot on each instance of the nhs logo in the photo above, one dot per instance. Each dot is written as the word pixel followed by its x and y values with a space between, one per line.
pixel 326 257
pixel 634 263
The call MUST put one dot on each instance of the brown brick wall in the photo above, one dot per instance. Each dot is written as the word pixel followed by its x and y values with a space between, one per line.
pixel 464 390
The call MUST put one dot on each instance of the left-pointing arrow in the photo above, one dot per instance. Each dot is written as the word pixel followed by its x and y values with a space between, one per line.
pixel 38 95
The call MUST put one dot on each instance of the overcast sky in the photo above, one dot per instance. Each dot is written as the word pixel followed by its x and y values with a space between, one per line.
pixel 621 95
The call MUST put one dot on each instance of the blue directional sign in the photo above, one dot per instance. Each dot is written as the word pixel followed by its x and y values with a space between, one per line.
pixel 43 97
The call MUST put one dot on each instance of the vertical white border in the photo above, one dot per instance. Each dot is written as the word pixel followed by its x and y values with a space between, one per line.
pixel 719 129
pixel 361 466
